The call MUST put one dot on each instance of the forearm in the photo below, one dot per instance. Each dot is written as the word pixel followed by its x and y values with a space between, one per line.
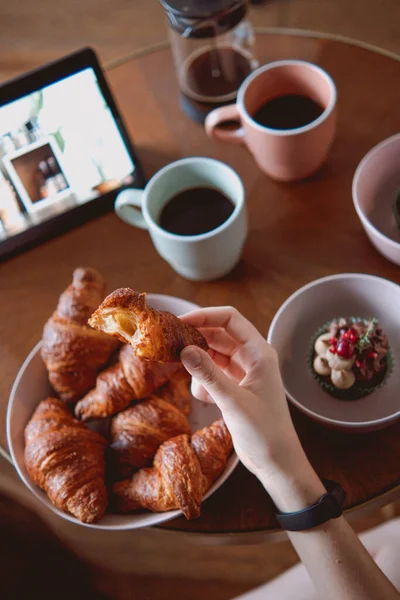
pixel 335 559
pixel 339 565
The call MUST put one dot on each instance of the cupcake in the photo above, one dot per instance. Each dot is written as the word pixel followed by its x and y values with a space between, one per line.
pixel 350 357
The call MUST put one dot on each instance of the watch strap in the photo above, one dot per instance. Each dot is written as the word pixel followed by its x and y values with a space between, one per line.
pixel 329 506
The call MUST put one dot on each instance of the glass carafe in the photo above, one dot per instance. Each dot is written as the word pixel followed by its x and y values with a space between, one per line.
pixel 212 45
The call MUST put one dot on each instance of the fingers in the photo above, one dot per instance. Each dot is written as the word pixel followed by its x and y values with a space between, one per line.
pixel 218 339
pixel 200 393
pixel 225 351
pixel 228 365
pixel 226 317
pixel 218 385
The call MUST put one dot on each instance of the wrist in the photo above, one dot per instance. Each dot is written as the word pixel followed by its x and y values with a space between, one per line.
pixel 295 488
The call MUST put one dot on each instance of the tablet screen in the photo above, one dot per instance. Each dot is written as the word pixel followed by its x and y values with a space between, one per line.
pixel 60 147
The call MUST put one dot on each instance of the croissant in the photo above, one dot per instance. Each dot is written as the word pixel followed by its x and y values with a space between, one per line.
pixel 177 391
pixel 153 334
pixel 136 433
pixel 131 378
pixel 66 460
pixel 72 351
pixel 183 470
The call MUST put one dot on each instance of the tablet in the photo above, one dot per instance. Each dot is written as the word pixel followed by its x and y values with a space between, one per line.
pixel 64 151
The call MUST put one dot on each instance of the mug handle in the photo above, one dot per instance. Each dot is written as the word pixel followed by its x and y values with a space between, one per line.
pixel 126 206
pixel 219 115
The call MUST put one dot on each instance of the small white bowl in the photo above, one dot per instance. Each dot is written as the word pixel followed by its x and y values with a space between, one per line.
pixel 298 318
pixel 375 185
pixel 31 386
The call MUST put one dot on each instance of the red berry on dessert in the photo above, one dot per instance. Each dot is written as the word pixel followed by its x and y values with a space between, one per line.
pixel 353 337
pixel 345 348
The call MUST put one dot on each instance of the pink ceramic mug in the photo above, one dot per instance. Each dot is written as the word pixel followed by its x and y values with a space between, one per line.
pixel 284 154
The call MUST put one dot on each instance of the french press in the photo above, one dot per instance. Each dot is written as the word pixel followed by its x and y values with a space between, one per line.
pixel 212 46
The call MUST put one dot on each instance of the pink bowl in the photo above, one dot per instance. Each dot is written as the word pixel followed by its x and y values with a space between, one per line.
pixel 375 185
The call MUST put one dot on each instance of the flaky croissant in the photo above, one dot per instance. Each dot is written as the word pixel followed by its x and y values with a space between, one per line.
pixel 131 378
pixel 66 460
pixel 153 334
pixel 177 391
pixel 184 469
pixel 72 351
pixel 137 432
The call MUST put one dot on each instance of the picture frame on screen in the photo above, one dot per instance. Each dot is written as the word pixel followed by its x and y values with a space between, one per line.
pixel 64 151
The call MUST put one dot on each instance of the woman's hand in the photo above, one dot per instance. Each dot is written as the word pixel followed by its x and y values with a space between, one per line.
pixel 241 375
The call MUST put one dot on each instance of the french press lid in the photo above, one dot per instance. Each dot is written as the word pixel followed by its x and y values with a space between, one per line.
pixel 204 18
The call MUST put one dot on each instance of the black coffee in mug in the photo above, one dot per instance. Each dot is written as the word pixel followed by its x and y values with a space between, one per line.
pixel 195 211
pixel 290 111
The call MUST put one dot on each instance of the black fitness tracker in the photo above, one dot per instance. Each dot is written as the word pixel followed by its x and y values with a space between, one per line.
pixel 330 506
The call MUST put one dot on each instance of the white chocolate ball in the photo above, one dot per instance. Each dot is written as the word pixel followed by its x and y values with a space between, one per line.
pixel 338 363
pixel 321 366
pixel 322 344
pixel 343 380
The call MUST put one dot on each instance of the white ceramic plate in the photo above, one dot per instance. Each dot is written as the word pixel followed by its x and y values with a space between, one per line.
pixel 31 386
pixel 310 307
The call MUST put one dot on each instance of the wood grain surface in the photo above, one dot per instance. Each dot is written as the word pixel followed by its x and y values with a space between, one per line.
pixel 298 232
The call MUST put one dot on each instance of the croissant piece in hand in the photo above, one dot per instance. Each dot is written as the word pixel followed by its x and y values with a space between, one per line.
pixel 153 334
pixel 72 351
pixel 131 378
pixel 184 469
pixel 177 391
pixel 66 460
pixel 137 433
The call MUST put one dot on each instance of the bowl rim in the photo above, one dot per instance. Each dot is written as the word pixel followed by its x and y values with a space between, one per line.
pixel 277 316
pixel 356 178
pixel 38 493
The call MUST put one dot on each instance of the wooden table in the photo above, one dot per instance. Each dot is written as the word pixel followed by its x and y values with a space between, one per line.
pixel 288 223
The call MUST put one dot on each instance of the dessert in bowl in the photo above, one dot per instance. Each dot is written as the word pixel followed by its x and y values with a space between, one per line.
pixel 298 322
pixel 350 357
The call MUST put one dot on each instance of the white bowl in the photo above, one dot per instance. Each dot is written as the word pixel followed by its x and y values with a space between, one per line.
pixel 375 185
pixel 298 318
pixel 31 386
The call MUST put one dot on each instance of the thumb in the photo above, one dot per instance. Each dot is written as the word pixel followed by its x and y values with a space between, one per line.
pixel 201 366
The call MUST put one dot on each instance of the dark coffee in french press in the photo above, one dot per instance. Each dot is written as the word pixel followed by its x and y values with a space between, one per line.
pixel 212 48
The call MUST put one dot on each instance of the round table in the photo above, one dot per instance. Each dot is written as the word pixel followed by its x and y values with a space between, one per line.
pixel 298 232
